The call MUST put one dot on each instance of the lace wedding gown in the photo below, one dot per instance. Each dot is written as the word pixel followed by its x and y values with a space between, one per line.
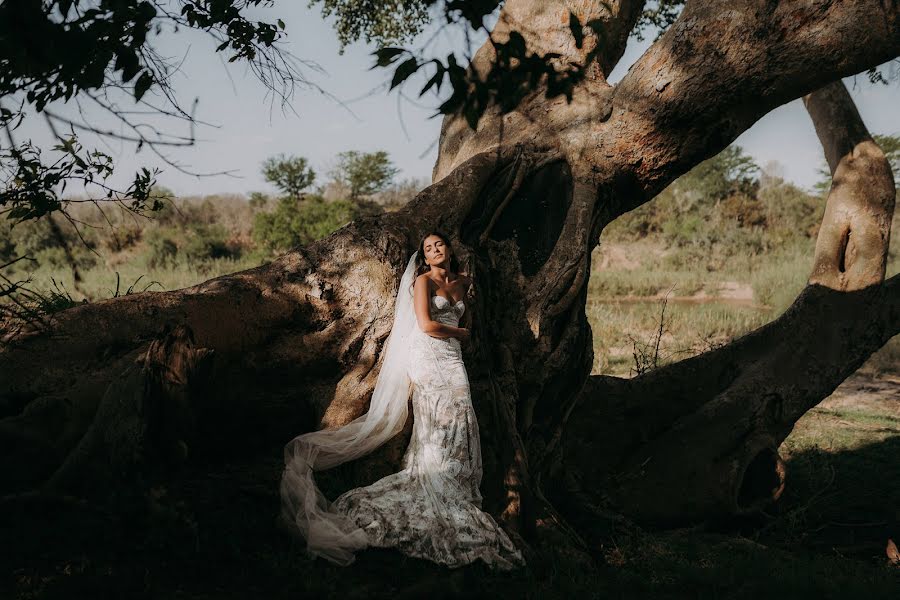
pixel 432 508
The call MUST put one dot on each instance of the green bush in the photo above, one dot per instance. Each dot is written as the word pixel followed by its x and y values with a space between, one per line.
pixel 185 212
pixel 36 239
pixel 294 223
pixel 162 250
pixel 686 230
pixel 744 210
pixel 705 229
pixel 193 245
pixel 7 244
pixel 791 212
pixel 207 242
pixel 30 237
pixel 124 235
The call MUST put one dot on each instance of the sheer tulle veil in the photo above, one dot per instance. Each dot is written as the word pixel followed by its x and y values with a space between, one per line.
pixel 304 508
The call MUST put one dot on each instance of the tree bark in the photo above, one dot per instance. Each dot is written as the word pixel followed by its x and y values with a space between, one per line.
pixel 238 365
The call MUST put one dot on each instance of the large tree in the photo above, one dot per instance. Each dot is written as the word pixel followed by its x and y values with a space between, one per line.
pixel 363 173
pixel 291 175
pixel 132 390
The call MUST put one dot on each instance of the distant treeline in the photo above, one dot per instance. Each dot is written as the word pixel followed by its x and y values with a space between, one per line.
pixel 725 206
pixel 728 206
pixel 194 230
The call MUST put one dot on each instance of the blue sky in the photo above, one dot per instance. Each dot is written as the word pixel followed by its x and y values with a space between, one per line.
pixel 363 116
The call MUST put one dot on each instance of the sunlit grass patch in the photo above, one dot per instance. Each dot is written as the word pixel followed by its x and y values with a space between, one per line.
pixel 689 329
pixel 101 282
pixel 630 279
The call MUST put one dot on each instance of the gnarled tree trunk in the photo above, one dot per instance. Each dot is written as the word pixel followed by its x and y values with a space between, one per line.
pixel 236 366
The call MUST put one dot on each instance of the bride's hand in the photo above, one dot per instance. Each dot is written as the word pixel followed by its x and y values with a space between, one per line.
pixel 463 335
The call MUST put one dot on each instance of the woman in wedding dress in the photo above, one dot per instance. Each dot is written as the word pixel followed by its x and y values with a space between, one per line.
pixel 431 508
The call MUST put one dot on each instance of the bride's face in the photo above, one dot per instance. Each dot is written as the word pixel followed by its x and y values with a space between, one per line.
pixel 436 251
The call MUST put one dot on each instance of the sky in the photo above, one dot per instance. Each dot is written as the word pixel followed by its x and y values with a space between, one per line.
pixel 355 111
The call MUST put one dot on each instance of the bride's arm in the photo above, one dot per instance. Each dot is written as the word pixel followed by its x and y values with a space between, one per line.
pixel 423 316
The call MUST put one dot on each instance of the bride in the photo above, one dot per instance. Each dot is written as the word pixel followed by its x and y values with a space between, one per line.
pixel 431 508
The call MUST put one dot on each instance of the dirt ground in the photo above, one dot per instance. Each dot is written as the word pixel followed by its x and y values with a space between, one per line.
pixel 865 392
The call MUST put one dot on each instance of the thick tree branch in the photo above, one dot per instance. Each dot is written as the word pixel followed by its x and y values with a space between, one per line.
pixel 719 68
pixel 706 429
pixel 853 242
pixel 545 29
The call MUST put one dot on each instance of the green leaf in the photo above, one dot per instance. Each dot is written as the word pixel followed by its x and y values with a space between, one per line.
pixel 406 68
pixel 280 24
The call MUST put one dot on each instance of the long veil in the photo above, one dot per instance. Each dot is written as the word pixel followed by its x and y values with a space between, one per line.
pixel 329 533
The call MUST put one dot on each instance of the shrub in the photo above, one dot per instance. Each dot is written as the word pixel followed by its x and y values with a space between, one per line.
pixel 207 242
pixel 162 251
pixel 122 236
pixel 258 201
pixel 7 244
pixel 193 245
pixel 35 238
pixel 399 194
pixel 687 230
pixel 746 211
pixel 791 212
pixel 30 237
pixel 294 223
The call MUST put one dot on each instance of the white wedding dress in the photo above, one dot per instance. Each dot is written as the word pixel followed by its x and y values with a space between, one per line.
pixel 432 508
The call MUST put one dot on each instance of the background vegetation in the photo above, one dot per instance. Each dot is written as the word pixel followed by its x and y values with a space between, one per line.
pixel 724 249
pixel 97 251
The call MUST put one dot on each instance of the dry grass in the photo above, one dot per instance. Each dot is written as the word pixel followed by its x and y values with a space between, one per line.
pixel 100 281
pixel 630 279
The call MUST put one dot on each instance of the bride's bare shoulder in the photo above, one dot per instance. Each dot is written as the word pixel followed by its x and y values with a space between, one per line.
pixel 466 280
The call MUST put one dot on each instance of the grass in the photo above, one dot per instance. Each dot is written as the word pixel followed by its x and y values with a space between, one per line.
pixel 690 329
pixel 842 501
pixel 630 280
pixel 100 281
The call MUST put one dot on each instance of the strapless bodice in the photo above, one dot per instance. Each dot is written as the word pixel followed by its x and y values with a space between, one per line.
pixel 445 311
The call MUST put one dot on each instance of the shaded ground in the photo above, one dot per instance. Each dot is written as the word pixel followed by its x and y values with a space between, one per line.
pixel 213 534
pixel 844 457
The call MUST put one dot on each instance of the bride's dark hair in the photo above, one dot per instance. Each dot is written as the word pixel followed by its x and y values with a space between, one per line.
pixel 421 267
